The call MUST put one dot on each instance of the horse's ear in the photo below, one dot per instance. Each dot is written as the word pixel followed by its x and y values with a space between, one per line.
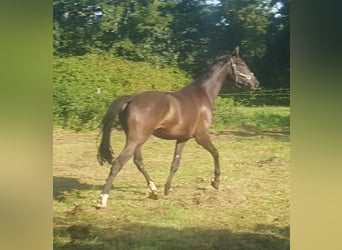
pixel 236 51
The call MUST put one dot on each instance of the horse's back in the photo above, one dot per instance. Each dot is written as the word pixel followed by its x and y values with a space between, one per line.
pixel 150 101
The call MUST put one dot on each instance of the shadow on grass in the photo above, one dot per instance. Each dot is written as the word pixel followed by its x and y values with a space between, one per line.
pixel 67 184
pixel 139 236
pixel 63 185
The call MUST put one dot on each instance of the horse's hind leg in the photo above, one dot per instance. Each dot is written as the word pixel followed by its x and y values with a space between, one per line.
pixel 205 141
pixel 117 165
pixel 138 160
pixel 175 164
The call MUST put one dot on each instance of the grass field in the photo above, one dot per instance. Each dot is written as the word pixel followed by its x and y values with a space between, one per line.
pixel 249 212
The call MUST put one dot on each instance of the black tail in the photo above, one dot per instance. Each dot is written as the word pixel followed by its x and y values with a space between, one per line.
pixel 105 151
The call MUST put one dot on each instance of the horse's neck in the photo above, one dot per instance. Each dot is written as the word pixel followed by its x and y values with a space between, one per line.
pixel 214 83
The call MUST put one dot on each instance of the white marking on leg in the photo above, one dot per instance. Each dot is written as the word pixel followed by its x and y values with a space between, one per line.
pixel 177 156
pixel 104 200
pixel 152 186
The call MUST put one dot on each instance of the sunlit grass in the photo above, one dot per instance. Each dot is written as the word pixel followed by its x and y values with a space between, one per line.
pixel 250 211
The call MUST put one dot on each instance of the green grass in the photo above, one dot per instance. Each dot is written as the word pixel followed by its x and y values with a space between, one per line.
pixel 249 212
pixel 259 118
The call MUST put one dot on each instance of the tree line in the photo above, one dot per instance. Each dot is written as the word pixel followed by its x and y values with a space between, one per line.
pixel 179 33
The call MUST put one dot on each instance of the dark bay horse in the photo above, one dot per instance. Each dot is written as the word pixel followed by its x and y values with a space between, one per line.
pixel 179 116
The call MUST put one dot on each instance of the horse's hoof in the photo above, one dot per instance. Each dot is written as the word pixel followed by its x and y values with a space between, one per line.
pixel 99 206
pixel 153 195
pixel 215 184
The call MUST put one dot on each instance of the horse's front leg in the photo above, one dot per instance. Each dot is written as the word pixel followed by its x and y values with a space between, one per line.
pixel 205 141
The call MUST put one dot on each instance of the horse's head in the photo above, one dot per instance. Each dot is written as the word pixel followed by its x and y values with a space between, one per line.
pixel 241 75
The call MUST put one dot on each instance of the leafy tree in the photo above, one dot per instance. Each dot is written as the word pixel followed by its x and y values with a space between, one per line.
pixel 137 30
pixel 76 26
pixel 145 33
pixel 181 33
pixel 194 27
pixel 276 72
pixel 247 23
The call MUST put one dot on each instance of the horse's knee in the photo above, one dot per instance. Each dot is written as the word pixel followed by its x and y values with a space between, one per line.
pixel 139 163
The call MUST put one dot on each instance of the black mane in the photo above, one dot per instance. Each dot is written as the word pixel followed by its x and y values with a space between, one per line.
pixel 214 65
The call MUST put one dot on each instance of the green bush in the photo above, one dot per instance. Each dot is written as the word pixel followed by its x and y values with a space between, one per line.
pixel 84 86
